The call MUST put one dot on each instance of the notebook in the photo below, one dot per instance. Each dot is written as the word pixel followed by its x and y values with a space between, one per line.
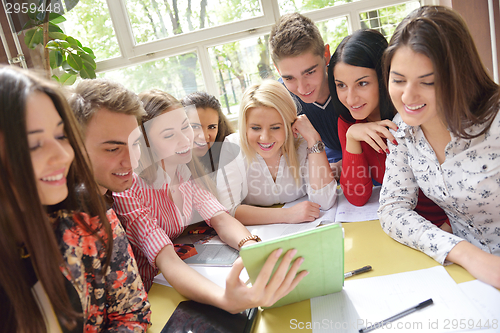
pixel 323 251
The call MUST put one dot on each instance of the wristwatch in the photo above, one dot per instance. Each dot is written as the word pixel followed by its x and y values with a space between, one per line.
pixel 318 147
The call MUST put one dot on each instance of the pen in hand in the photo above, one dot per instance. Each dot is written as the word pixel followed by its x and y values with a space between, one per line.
pixel 358 271
pixel 406 312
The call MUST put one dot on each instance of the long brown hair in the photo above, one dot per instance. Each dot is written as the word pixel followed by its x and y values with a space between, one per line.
pixel 465 93
pixel 23 219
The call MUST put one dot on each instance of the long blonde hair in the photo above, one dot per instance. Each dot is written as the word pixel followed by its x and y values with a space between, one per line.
pixel 274 95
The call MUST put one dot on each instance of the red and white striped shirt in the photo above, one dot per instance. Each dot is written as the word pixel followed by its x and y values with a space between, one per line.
pixel 152 220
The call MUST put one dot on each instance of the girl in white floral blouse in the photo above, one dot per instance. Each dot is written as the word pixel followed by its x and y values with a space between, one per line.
pixel 448 143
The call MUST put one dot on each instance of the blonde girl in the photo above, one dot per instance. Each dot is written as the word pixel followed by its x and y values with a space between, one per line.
pixel 282 159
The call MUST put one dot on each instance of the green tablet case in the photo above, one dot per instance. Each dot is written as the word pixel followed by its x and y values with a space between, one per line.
pixel 323 251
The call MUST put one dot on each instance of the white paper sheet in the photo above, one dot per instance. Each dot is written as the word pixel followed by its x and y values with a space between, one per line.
pixel 367 301
pixel 486 299
pixel 347 212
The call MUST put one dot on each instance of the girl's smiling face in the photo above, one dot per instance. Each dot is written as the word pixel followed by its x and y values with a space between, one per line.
pixel 265 131
pixel 205 128
pixel 357 88
pixel 411 86
pixel 171 137
pixel 50 150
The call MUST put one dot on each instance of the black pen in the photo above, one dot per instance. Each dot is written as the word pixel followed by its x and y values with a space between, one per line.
pixel 358 271
pixel 397 316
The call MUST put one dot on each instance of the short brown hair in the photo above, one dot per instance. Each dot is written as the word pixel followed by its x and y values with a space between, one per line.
pixel 293 35
pixel 91 95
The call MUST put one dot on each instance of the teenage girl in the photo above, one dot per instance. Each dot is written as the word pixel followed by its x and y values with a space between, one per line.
pixel 274 166
pixel 160 204
pixel 361 98
pixel 210 129
pixel 448 143
pixel 66 263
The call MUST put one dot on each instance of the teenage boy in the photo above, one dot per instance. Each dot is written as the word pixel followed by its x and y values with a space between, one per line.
pixel 108 115
pixel 301 58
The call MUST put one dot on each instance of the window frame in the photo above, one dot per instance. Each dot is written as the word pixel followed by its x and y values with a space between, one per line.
pixel 199 41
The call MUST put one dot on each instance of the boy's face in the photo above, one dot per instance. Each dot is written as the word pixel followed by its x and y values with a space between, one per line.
pixel 305 76
pixel 107 139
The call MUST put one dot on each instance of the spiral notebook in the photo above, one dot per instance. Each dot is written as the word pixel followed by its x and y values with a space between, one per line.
pixel 323 251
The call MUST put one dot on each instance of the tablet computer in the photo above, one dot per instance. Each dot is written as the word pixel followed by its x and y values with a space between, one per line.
pixel 323 251
pixel 194 317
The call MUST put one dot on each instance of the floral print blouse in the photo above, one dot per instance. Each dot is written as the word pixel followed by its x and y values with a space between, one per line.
pixel 466 186
pixel 114 300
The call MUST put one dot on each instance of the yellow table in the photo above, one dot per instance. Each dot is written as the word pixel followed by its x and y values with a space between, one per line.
pixel 365 244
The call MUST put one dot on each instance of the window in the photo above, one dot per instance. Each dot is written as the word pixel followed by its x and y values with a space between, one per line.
pixel 154 19
pixel 333 31
pixel 90 23
pixel 178 75
pixel 237 66
pixel 301 6
pixel 218 46
pixel 386 19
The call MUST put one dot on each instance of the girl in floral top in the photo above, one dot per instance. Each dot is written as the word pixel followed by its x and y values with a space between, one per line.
pixel 448 143
pixel 73 271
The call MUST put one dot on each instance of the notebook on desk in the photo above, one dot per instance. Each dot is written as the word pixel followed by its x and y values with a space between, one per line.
pixel 323 251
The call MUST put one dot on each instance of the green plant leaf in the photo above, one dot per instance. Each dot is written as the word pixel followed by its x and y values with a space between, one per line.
pixel 55 58
pixel 75 61
pixel 87 73
pixel 89 51
pixel 57 43
pixel 67 68
pixel 67 79
pixel 87 59
pixel 33 37
pixel 74 44
pixel 54 77
pixel 57 35
pixel 56 18
pixel 39 17
pixel 53 27
pixel 71 41
pixel 31 15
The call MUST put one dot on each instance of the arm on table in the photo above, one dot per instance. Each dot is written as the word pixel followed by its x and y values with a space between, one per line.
pixel 482 265
pixel 305 211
